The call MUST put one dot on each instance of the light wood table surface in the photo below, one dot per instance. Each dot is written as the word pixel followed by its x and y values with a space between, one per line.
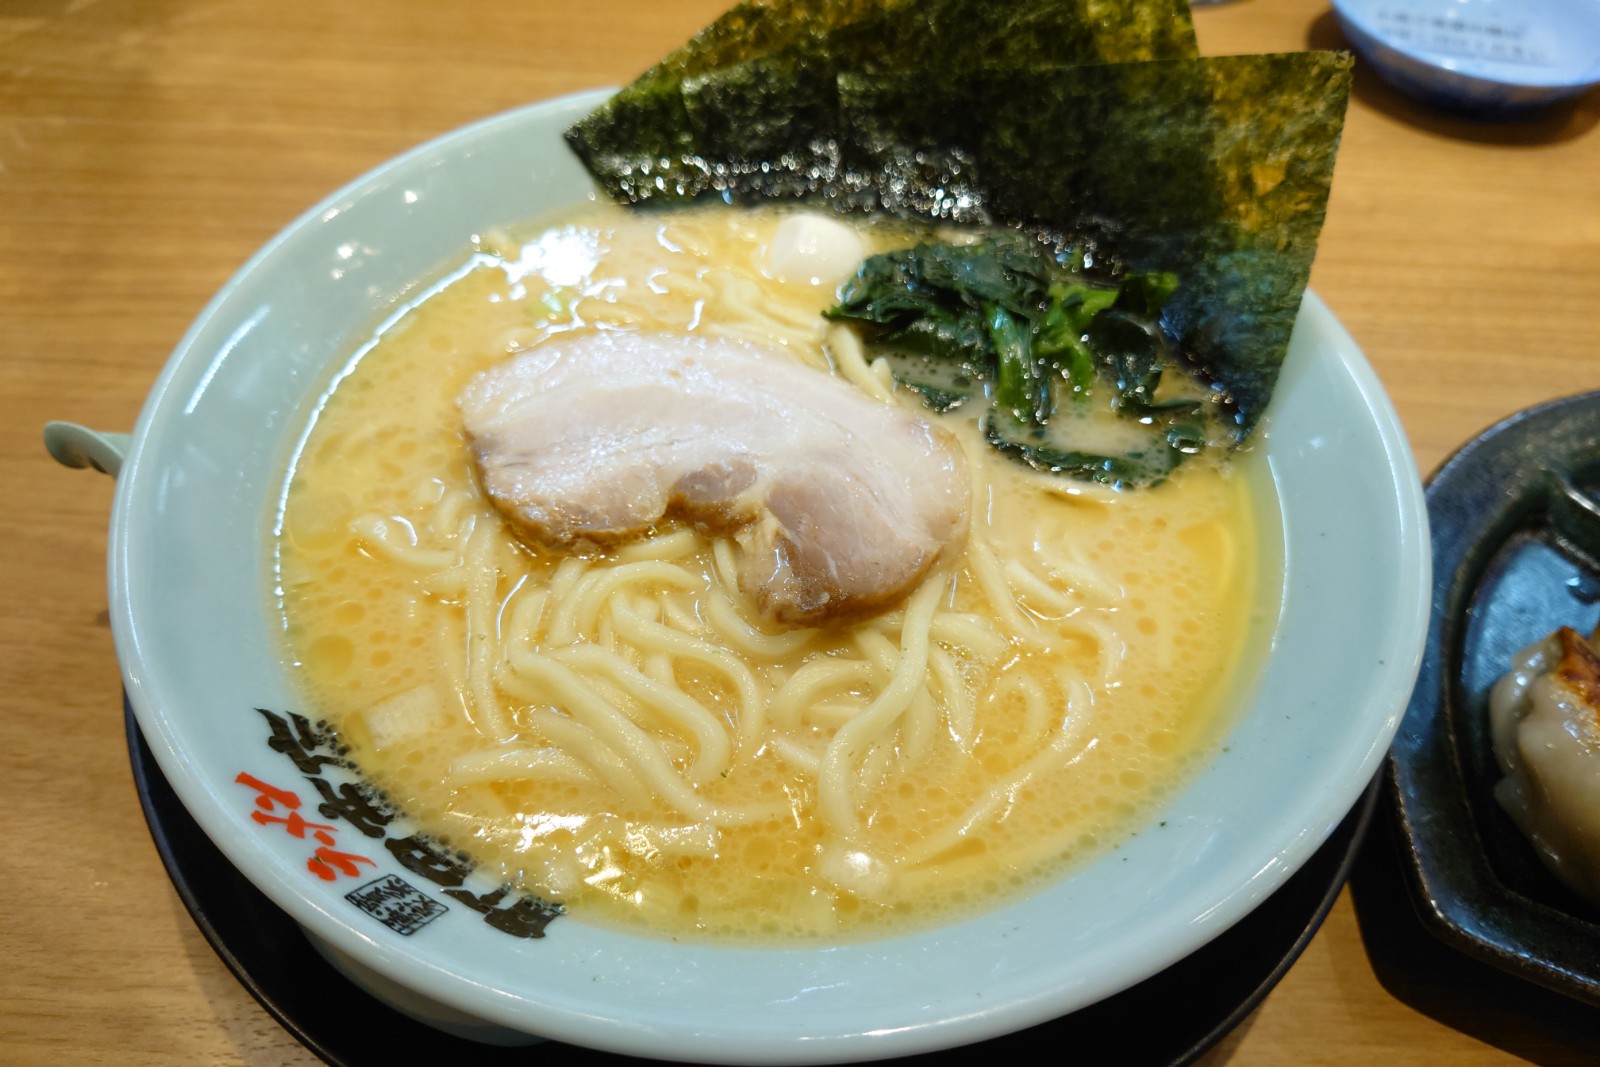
pixel 148 147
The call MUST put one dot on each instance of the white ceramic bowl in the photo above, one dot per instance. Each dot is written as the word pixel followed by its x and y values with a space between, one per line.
pixel 1486 56
pixel 190 559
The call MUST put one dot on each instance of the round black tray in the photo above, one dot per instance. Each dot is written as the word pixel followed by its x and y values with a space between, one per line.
pixel 1198 1000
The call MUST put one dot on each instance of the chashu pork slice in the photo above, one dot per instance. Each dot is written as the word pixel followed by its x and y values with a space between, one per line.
pixel 839 503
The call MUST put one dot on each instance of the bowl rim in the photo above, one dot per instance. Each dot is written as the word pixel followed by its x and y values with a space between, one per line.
pixel 1390 685
pixel 1558 82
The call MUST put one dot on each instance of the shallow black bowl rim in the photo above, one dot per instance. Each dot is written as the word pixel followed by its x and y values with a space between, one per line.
pixel 1501 486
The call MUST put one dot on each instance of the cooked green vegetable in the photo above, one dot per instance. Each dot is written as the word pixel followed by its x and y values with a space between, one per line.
pixel 1035 447
pixel 1030 331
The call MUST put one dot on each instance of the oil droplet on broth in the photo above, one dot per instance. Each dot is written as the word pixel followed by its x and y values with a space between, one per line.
pixel 329 655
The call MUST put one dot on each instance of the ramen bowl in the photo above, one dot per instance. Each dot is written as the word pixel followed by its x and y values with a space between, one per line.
pixel 194 623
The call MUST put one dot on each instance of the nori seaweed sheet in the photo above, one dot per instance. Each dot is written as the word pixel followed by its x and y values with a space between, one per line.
pixel 1087 121
pixel 707 105
pixel 1216 169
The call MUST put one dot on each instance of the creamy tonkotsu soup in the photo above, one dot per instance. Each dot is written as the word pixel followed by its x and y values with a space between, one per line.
pixel 621 729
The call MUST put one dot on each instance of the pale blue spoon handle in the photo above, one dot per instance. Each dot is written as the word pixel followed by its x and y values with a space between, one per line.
pixel 72 445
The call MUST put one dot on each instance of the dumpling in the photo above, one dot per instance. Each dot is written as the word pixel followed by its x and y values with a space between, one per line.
pixel 1545 720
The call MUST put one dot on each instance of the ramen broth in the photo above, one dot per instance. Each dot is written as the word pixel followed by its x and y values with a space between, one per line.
pixel 1067 673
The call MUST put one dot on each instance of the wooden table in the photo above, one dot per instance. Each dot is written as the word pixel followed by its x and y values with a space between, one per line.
pixel 147 147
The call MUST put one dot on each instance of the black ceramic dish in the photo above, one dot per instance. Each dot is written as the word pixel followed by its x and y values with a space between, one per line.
pixel 1516 553
pixel 1199 999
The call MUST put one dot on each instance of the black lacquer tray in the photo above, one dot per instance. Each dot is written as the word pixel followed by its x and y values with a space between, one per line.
pixel 1198 1000
pixel 1516 553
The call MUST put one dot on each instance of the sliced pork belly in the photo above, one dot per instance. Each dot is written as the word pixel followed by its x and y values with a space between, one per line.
pixel 840 503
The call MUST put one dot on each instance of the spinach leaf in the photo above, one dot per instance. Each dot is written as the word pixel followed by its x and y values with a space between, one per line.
pixel 1063 329
pixel 1132 353
pixel 1021 383
pixel 1031 329
pixel 1033 445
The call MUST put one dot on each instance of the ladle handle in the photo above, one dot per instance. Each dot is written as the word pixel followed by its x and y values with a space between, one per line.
pixel 72 445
